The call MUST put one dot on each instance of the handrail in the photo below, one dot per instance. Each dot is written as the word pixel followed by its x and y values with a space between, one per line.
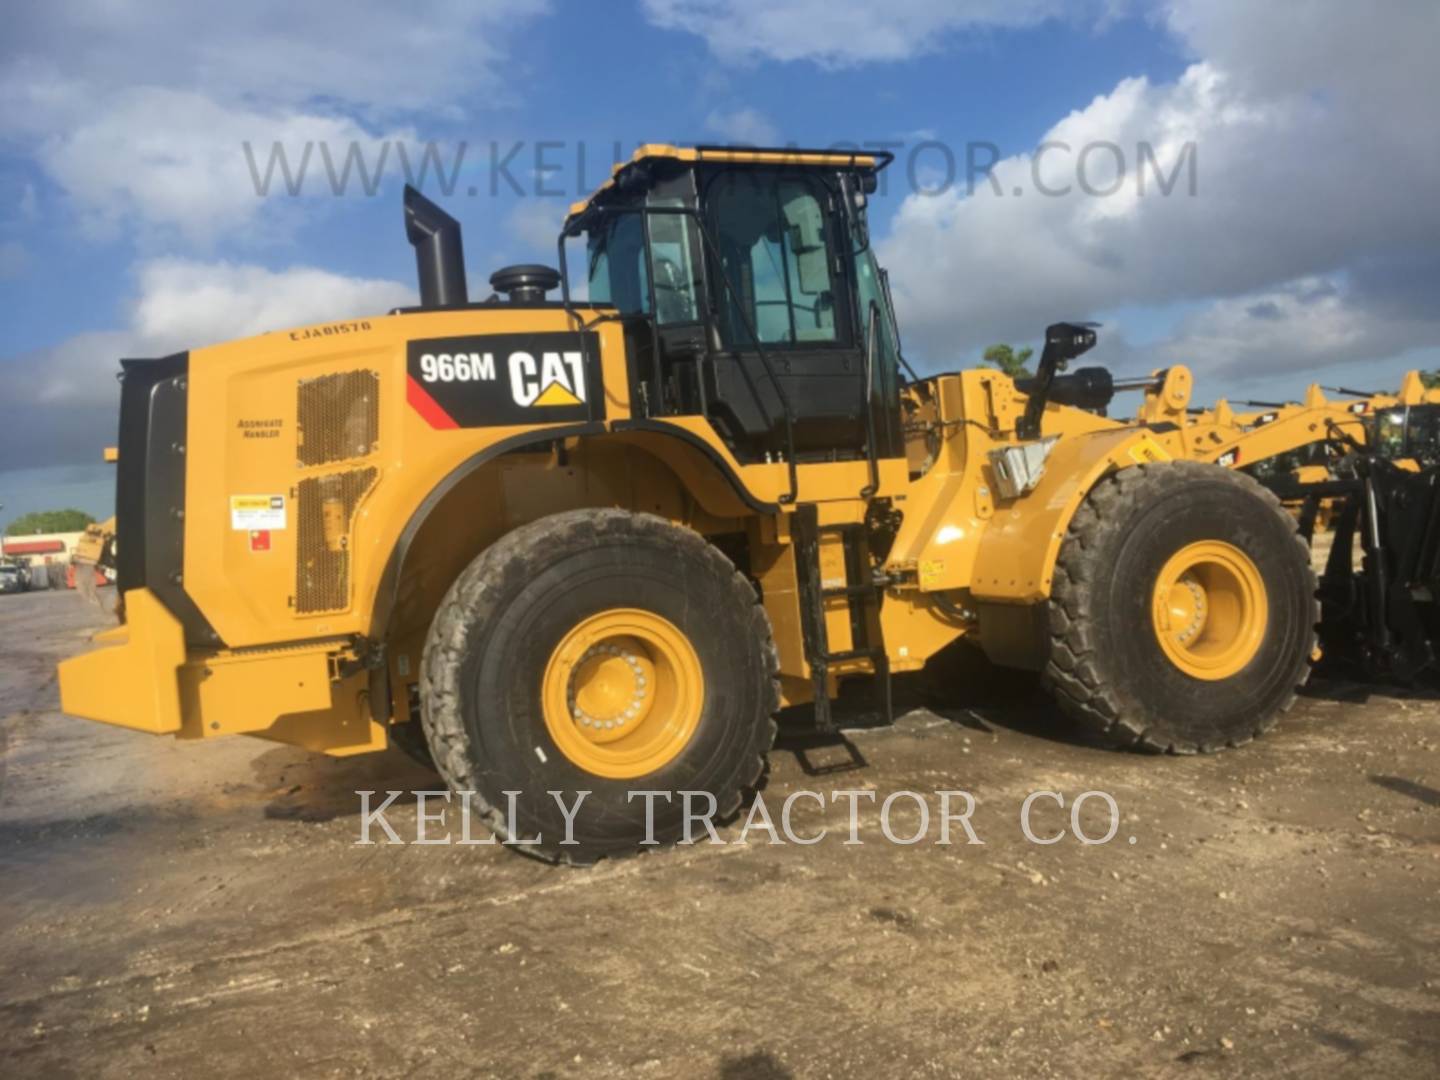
pixel 872 322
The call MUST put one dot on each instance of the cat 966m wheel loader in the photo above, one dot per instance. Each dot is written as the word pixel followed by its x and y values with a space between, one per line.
pixel 594 546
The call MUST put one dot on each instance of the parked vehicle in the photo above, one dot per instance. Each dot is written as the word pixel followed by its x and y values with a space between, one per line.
pixel 14 578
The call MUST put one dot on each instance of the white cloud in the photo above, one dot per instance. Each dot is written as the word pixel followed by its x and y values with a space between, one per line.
pixel 176 160
pixel 60 402
pixel 372 54
pixel 535 222
pixel 79 371
pixel 1313 322
pixel 139 112
pixel 183 304
pixel 1369 54
pixel 1306 144
pixel 746 126
pixel 839 33
pixel 187 303
pixel 1317 174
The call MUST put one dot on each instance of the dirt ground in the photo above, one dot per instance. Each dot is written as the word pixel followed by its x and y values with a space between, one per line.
pixel 182 910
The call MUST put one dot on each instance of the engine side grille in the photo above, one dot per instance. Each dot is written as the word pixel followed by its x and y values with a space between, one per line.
pixel 326 513
pixel 337 417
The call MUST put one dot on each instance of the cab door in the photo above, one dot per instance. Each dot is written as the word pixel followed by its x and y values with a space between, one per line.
pixel 783 292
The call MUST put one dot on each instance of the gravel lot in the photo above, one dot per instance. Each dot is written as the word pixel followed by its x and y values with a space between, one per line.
pixel 184 910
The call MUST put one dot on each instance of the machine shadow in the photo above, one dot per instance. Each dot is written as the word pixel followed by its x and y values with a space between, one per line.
pixel 960 686
pixel 309 787
pixel 1349 689
pixel 1421 793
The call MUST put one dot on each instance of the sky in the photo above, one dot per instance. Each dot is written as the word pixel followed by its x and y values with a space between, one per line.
pixel 1247 188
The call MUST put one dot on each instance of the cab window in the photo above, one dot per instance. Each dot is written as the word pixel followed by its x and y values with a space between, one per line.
pixel 775 251
pixel 870 287
pixel 617 265
pixel 672 252
pixel 1390 433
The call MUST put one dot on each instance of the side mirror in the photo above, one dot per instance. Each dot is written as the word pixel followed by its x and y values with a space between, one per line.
pixel 1069 340
pixel 1063 343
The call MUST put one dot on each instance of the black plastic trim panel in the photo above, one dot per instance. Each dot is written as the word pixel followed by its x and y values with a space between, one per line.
pixel 150 489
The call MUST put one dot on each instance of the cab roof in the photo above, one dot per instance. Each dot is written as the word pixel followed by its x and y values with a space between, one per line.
pixel 857 161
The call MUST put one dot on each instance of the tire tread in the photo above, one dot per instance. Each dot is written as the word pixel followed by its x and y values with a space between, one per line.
pixel 480 590
pixel 1070 674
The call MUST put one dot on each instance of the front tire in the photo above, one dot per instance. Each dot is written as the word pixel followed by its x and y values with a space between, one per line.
pixel 1182 615
pixel 600 651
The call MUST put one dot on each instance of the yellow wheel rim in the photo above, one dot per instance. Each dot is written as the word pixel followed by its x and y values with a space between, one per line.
pixel 1209 609
pixel 622 693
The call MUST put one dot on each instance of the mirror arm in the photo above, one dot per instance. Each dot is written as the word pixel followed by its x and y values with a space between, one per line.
pixel 1063 343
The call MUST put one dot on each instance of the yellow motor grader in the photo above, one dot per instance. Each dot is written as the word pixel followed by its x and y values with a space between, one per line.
pixel 594 546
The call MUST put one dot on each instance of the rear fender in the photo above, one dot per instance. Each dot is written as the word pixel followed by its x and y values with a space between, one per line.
pixel 511 484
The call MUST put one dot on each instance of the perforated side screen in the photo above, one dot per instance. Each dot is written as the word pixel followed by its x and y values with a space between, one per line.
pixel 337 417
pixel 326 512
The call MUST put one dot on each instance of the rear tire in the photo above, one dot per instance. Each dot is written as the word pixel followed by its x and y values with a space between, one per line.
pixel 1116 661
pixel 509 623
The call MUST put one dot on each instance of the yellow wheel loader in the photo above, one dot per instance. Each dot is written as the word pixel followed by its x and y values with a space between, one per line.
pixel 594 545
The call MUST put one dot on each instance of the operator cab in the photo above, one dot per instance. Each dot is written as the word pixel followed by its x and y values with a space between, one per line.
pixel 751 296
pixel 1408 432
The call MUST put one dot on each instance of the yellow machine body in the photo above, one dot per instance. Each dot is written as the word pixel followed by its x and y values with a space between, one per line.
pixel 390 522
pixel 319 490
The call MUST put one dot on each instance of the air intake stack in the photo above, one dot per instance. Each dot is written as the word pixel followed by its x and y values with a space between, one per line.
pixel 439 256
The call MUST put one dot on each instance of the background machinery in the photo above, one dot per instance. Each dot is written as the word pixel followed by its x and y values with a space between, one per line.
pixel 595 546
pixel 92 562
pixel 1360 474
pixel 1382 571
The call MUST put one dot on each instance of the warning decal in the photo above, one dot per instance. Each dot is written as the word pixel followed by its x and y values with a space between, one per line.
pixel 257 513
pixel 1147 450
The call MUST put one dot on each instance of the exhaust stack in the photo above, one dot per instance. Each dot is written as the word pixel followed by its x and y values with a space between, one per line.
pixel 439 257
